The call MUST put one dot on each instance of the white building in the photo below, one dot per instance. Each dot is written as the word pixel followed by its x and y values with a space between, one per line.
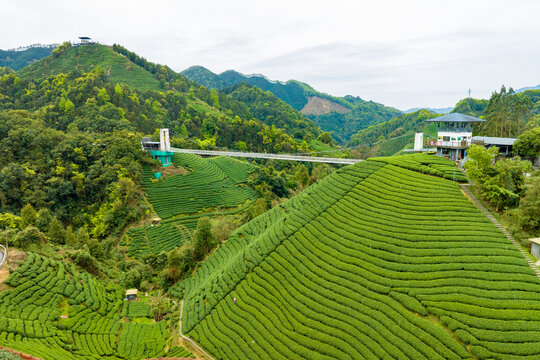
pixel 454 134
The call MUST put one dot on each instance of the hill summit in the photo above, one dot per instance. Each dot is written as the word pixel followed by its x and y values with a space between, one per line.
pixel 385 259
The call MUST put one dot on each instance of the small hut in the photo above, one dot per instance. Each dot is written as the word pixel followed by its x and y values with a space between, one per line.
pixel 131 294
pixel 156 220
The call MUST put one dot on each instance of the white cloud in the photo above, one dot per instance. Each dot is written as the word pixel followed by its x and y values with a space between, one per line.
pixel 400 53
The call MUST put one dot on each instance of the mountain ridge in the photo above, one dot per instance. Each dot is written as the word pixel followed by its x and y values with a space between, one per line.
pixel 341 124
pixel 19 58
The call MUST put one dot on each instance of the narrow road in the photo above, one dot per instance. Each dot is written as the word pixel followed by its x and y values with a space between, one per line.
pixel 478 204
pixel 188 339
pixel 287 157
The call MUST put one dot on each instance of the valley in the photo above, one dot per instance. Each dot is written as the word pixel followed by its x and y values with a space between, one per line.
pixel 148 213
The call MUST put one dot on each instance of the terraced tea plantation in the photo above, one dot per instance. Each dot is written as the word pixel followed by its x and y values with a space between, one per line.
pixel 212 183
pixel 165 237
pixel 56 312
pixel 375 261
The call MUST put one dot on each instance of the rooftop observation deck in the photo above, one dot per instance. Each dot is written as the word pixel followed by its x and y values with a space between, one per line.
pixel 455 119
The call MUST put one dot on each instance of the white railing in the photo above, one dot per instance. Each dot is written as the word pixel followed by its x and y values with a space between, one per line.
pixel 460 143
pixel 289 157
pixel 3 254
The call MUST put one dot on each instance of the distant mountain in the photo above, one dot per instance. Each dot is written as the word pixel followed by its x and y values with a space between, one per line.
pixel 342 116
pixel 292 92
pixel 16 59
pixel 445 110
pixel 537 87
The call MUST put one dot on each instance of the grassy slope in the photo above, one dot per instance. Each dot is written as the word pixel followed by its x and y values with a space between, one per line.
pixel 374 261
pixel 86 58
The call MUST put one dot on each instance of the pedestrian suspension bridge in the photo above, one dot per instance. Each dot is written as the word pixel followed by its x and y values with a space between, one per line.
pixel 163 151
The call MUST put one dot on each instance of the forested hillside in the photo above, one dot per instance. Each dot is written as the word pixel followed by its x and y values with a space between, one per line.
pixel 354 113
pixel 94 101
pixel 17 59
pixel 398 126
pixel 263 105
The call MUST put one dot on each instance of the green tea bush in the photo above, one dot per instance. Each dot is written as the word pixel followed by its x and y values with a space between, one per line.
pixel 377 260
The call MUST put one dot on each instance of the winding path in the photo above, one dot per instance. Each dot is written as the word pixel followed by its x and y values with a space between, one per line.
pixel 478 204
pixel 287 157
pixel 192 342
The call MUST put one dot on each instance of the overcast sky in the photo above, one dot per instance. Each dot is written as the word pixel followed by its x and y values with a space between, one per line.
pixel 400 53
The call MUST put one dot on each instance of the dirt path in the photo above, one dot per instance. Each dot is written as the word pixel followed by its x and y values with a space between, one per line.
pixel 200 349
pixel 478 204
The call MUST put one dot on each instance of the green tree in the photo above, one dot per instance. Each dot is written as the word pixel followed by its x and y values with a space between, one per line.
pixel 132 279
pixel 8 220
pixel 43 220
pixel 95 248
pixel 70 240
pixel 479 162
pixel 302 176
pixel 30 235
pixel 506 114
pixel 56 231
pixel 86 261
pixel 240 146
pixel 103 97
pixel 160 306
pixel 511 173
pixel 214 96
pixel 82 237
pixel 204 238
pixel 528 211
pixel 259 207
pixel 528 144
pixel 497 194
pixel 182 259
pixel 28 214
pixel 222 227
pixel 325 137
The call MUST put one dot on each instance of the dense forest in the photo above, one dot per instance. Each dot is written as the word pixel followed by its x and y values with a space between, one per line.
pixel 342 125
pixel 197 117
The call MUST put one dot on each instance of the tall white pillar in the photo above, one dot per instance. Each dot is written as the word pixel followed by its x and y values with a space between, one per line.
pixel 164 142
pixel 418 141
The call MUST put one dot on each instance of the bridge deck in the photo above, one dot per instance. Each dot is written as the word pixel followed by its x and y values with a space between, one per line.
pixel 286 157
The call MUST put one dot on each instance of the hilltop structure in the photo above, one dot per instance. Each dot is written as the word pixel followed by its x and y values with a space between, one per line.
pixel 454 134
pixel 85 40
pixel 161 149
